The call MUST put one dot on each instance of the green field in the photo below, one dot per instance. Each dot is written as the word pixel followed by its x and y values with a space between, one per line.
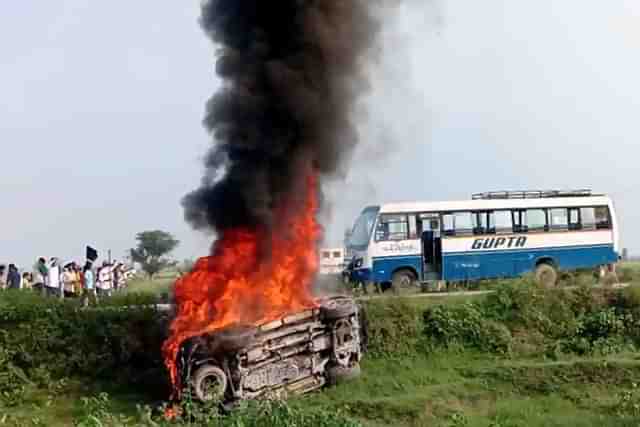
pixel 582 371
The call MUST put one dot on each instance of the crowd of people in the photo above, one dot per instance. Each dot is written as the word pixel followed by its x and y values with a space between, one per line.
pixel 52 278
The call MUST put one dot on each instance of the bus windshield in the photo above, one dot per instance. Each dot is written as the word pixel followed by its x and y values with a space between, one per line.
pixel 362 229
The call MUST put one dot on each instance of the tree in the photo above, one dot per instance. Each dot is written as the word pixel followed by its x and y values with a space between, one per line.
pixel 153 246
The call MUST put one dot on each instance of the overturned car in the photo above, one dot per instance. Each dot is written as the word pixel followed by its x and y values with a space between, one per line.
pixel 293 355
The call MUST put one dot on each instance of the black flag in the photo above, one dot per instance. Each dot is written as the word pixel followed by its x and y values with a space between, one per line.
pixel 92 254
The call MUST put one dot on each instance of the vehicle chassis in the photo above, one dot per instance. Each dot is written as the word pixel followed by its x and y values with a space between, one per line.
pixel 295 354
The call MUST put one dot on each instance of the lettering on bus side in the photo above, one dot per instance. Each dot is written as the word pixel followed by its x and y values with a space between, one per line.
pixel 500 242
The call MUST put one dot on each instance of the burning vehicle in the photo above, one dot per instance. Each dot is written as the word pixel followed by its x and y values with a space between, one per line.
pixel 295 354
pixel 281 124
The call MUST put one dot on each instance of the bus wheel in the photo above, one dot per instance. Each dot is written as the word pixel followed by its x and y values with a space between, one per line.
pixel 546 275
pixel 403 280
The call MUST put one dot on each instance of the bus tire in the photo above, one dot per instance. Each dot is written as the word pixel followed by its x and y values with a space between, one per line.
pixel 403 279
pixel 546 275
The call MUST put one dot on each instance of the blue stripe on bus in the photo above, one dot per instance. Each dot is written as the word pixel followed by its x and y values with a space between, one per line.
pixel 494 264
pixel 488 265
pixel 384 267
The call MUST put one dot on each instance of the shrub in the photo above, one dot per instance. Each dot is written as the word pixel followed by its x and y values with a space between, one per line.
pixel 465 325
pixel 627 299
pixel 46 335
pixel 97 412
pixel 626 274
pixel 394 328
pixel 579 320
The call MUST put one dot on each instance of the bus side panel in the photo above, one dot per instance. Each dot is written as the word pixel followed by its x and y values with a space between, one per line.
pixel 471 266
pixel 383 267
pixel 459 267
pixel 585 257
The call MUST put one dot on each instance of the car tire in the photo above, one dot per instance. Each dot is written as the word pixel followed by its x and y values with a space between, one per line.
pixel 209 383
pixel 338 308
pixel 403 280
pixel 340 374
pixel 546 275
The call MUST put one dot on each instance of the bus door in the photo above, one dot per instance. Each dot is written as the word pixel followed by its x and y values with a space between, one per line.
pixel 431 246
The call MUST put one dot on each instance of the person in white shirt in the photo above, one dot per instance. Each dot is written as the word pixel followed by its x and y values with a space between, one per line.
pixel 105 278
pixel 53 282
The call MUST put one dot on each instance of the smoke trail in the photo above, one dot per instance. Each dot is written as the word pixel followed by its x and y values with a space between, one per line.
pixel 293 71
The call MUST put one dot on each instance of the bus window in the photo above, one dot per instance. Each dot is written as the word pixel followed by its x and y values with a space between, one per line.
pixel 463 223
pixel 483 223
pixel 326 255
pixel 457 224
pixel 448 227
pixel 361 233
pixel 501 221
pixel 519 221
pixel 603 221
pixel 392 227
pixel 559 219
pixel 337 254
pixel 574 219
pixel 588 218
pixel 536 220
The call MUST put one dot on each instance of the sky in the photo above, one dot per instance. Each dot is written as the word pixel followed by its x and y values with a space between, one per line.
pixel 102 105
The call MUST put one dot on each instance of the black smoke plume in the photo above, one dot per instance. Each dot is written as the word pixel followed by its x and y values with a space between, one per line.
pixel 292 72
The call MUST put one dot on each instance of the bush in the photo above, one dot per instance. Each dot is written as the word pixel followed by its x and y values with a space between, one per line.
pixel 97 412
pixel 465 325
pixel 579 320
pixel 47 335
pixel 626 274
pixel 394 328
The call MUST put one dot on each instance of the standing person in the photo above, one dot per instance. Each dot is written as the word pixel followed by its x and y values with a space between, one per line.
pixel 122 279
pixel 41 273
pixel 53 283
pixel 104 280
pixel 27 281
pixel 89 290
pixel 77 279
pixel 3 282
pixel 13 277
pixel 67 281
pixel 116 275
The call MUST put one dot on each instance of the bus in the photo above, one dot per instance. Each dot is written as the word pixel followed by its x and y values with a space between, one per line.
pixel 493 235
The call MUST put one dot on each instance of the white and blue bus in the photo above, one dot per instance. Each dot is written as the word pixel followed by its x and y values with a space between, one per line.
pixel 493 235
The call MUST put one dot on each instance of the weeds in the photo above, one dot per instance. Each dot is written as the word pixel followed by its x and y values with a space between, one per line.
pixel 580 320
pixel 628 404
pixel 97 413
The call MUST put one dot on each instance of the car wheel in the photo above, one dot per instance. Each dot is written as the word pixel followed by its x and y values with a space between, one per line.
pixel 546 275
pixel 338 308
pixel 209 383
pixel 340 374
pixel 403 280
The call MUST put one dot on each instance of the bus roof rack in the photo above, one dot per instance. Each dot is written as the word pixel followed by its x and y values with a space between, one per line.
pixel 531 194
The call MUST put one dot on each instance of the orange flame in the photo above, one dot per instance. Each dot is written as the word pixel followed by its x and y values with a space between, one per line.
pixel 236 285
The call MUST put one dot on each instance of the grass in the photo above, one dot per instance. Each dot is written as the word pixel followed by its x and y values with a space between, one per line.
pixel 464 389
pixel 161 284
pixel 446 389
